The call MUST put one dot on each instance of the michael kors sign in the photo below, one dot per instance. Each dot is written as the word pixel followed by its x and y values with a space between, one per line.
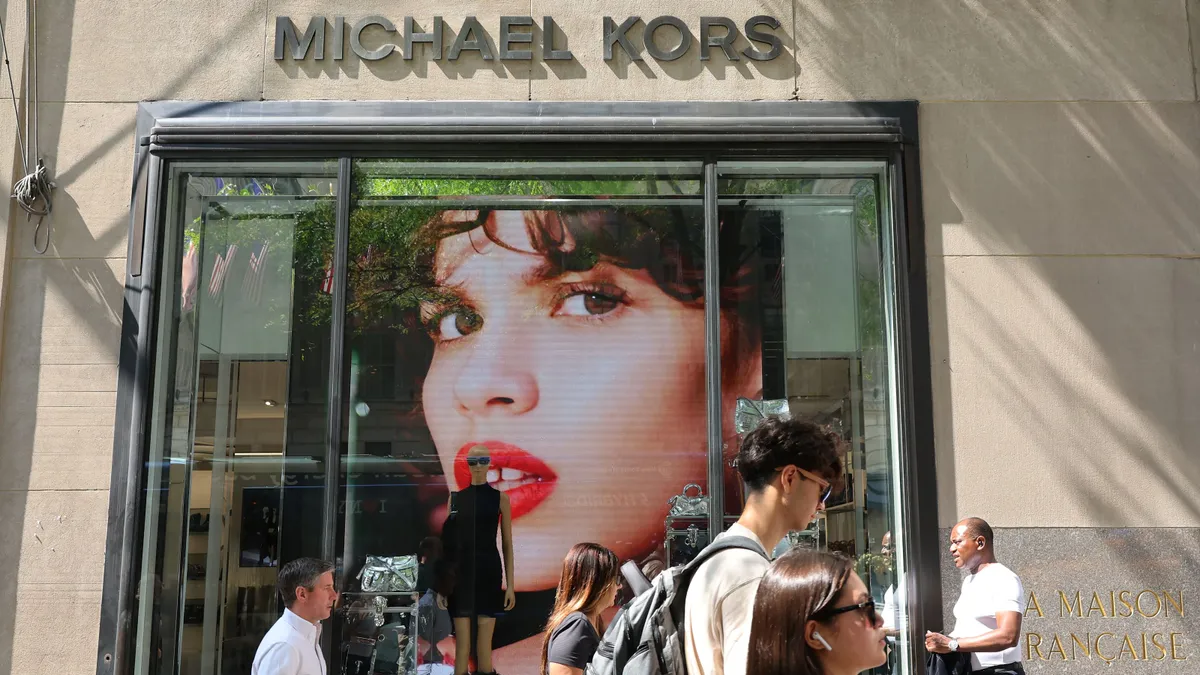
pixel 514 38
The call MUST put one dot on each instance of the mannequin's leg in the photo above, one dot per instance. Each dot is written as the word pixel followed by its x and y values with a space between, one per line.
pixel 483 649
pixel 462 645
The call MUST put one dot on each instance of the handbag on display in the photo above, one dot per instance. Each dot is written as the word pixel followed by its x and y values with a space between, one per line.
pixel 684 505
pixel 686 525
pixel 363 616
pixel 750 413
pixel 389 574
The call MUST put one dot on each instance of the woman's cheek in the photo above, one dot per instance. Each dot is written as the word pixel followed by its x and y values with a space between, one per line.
pixel 437 400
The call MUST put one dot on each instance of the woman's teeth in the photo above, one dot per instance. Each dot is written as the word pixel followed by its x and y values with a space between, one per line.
pixel 507 479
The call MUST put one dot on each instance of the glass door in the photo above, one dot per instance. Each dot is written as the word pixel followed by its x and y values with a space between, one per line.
pixel 809 244
pixel 237 435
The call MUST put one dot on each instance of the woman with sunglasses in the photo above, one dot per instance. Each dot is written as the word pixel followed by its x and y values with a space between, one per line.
pixel 814 616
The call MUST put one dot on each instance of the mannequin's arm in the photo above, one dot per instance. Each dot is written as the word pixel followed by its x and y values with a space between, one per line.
pixel 506 539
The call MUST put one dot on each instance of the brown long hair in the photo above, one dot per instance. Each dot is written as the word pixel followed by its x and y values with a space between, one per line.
pixel 589 571
pixel 798 585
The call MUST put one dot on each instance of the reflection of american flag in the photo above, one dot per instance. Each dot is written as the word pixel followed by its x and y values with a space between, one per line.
pixel 220 271
pixel 252 283
pixel 190 277
pixel 327 282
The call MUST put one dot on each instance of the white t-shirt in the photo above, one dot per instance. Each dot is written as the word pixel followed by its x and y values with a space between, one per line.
pixel 718 609
pixel 995 588
pixel 891 611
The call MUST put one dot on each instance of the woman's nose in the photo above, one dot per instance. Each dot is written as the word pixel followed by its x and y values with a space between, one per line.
pixel 496 378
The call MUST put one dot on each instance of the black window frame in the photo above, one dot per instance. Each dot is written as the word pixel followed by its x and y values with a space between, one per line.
pixel 344 130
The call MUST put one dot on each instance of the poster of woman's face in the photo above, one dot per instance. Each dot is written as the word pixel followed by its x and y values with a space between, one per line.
pixel 572 346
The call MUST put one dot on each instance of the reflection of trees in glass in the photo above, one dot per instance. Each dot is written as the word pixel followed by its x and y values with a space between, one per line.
pixel 245 211
pixel 394 230
pixel 391 247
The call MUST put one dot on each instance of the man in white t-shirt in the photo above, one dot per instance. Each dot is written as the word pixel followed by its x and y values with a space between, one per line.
pixel 789 468
pixel 987 616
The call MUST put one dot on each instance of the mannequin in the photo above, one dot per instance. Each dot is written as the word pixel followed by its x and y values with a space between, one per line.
pixel 477 596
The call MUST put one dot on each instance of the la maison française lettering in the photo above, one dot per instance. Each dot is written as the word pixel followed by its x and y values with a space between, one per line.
pixel 1133 636
pixel 514 39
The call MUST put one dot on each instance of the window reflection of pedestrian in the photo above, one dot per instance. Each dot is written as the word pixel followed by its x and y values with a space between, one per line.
pixel 435 624
pixel 891 610
pixel 989 609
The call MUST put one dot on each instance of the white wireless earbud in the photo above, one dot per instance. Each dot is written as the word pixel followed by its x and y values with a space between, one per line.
pixel 818 638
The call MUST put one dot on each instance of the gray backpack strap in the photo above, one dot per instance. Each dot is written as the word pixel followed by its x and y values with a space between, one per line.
pixel 724 544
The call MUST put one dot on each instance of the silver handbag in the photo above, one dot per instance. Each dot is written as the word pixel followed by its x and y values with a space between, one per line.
pixel 684 505
pixel 750 413
pixel 389 574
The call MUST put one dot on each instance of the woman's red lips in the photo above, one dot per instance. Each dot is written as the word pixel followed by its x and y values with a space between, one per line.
pixel 531 488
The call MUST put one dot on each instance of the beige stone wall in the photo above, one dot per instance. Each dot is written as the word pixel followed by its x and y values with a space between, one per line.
pixel 1061 160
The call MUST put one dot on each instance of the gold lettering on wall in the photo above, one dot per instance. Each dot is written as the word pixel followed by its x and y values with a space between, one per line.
pixel 1127 603
pixel 1033 644
pixel 1096 605
pixel 1065 608
pixel 1145 606
pixel 1033 606
pixel 1172 601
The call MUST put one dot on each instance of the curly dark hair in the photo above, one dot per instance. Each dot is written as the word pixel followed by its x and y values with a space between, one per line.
pixel 782 441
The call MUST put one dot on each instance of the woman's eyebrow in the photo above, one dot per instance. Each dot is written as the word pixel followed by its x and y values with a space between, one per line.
pixel 447 293
pixel 543 271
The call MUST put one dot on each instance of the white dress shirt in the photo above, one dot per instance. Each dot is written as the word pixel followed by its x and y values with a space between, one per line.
pixel 291 647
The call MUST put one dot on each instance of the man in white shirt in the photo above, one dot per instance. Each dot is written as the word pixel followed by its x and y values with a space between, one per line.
pixel 293 645
pixel 987 616
pixel 789 468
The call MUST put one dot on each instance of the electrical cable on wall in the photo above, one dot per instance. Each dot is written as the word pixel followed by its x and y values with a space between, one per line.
pixel 33 191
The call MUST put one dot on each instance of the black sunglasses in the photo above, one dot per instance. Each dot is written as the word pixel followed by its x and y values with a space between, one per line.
pixel 479 461
pixel 867 608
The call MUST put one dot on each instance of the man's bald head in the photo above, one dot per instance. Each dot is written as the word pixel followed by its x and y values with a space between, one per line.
pixel 977 527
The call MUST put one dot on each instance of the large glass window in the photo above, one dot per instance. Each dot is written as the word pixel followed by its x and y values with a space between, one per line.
pixel 523 368
pixel 803 246
pixel 548 317
pixel 237 460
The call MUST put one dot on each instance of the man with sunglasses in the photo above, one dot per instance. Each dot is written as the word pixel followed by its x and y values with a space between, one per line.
pixel 989 608
pixel 789 468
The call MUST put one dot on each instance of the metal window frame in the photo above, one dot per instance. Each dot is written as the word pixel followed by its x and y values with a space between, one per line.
pixel 345 130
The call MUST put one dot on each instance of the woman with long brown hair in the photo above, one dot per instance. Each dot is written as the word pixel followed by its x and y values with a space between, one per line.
pixel 588 587
pixel 814 616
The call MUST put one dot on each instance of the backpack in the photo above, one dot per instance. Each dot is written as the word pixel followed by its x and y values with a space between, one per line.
pixel 646 638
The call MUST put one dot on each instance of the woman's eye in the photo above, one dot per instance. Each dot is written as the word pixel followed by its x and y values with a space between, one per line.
pixel 588 304
pixel 455 325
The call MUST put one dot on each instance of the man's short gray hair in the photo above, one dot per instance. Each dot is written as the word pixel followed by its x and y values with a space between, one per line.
pixel 300 573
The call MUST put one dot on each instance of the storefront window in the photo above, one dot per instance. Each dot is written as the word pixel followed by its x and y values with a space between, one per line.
pixel 523 366
pixel 804 245
pixel 548 317
pixel 236 449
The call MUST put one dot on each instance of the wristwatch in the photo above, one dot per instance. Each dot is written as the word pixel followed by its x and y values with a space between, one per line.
pixel 953 644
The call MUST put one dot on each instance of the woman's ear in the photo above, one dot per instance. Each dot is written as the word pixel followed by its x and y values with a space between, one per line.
pixel 810 639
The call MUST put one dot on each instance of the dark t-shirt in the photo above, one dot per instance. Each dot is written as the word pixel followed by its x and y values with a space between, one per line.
pixel 573 642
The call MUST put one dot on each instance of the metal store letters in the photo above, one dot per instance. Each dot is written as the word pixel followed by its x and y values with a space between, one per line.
pixel 516 37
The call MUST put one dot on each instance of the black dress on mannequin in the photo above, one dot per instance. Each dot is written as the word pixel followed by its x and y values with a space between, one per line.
pixel 478 591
